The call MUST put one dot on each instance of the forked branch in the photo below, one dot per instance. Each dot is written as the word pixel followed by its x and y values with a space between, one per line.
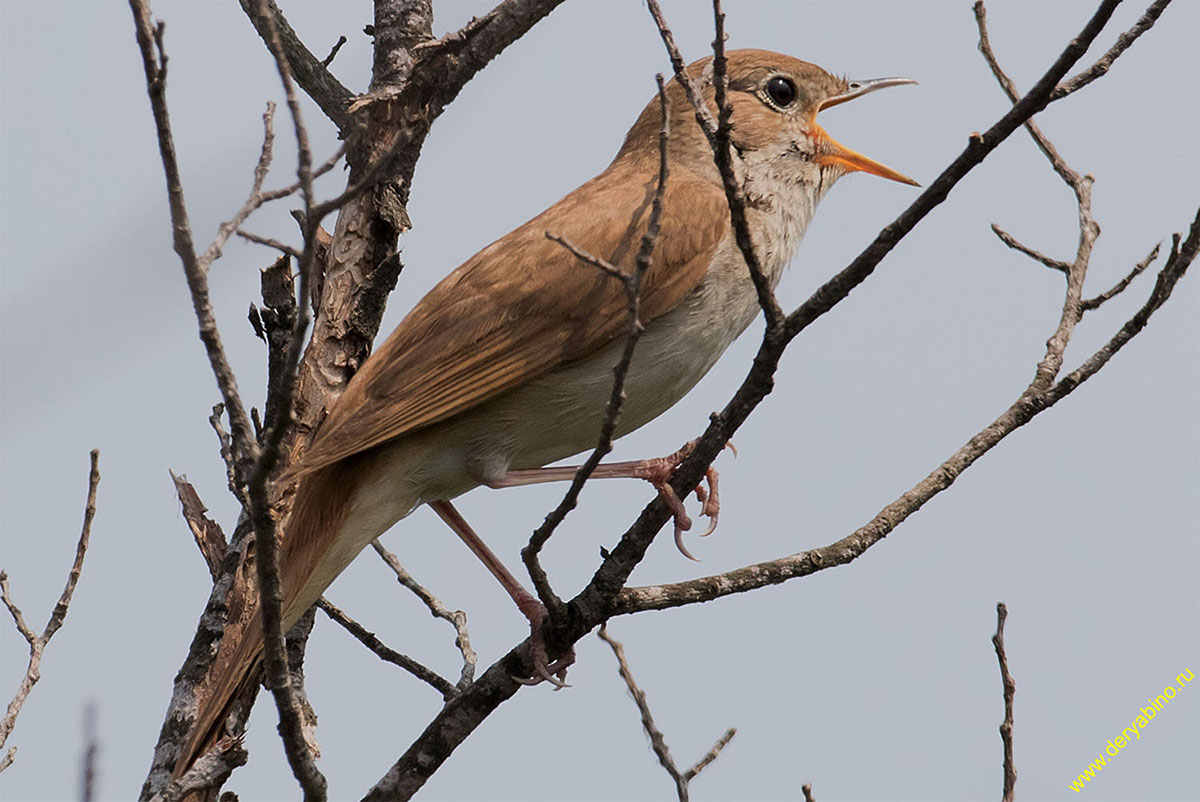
pixel 37 643
pixel 658 741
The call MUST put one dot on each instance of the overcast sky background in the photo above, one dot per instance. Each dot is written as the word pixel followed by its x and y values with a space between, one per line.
pixel 872 681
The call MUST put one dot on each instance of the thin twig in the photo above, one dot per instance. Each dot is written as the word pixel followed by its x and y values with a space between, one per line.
pixel 318 82
pixel 735 196
pixel 255 199
pixel 325 62
pixel 1068 175
pixel 296 186
pixel 1102 64
pixel 1038 256
pixel 385 652
pixel 1010 689
pixel 658 741
pixel 91 751
pixel 1119 287
pixel 38 643
pixel 282 247
pixel 154 64
pixel 616 398
pixel 275 662
pixel 456 618
pixel 225 442
pixel 718 133
pixel 704 116
pixel 603 265
pixel 1181 257
pixel 1089 229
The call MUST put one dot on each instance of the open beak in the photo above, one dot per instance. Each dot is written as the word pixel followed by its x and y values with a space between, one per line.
pixel 830 152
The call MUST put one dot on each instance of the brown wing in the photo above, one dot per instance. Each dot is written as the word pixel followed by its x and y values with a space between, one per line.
pixel 524 305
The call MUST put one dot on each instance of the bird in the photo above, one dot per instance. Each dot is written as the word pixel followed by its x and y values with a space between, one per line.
pixel 506 365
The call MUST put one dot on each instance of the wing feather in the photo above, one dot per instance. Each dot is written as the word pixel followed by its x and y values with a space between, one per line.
pixel 524 306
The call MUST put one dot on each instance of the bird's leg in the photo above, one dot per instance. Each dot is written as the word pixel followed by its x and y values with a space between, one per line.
pixel 656 471
pixel 555 673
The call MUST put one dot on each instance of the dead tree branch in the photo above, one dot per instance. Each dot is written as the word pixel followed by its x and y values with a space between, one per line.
pixel 1105 62
pixel 1010 689
pixel 209 537
pixel 384 652
pixel 718 133
pixel 37 643
pixel 632 283
pixel 311 72
pixel 154 64
pixel 658 741
pixel 285 687
pixel 456 618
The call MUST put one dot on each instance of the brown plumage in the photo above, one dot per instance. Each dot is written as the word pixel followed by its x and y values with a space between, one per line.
pixel 506 364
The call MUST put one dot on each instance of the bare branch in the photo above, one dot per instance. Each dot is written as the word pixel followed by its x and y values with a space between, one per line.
pixel 718 134
pixel 386 653
pixel 225 443
pixel 1089 229
pixel 38 643
pixel 154 64
pixel 282 247
pixel 15 611
pixel 275 662
pixel 90 753
pixel 456 618
pixel 207 532
pixel 1119 287
pixel 806 789
pixel 711 755
pixel 616 398
pixel 325 62
pixel 1068 175
pixel 311 73
pixel 734 195
pixel 226 229
pixel 1037 256
pixel 1010 689
pixel 1180 258
pixel 658 742
pixel 1105 62
pixel 603 265
pixel 704 116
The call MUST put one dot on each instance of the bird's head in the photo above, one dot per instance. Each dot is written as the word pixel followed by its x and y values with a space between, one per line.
pixel 775 100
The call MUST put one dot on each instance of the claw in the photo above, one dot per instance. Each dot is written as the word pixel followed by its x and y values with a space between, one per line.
pixel 554 673
pixel 710 501
pixel 682 522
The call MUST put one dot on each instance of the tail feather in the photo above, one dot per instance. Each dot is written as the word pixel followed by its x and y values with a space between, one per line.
pixel 322 502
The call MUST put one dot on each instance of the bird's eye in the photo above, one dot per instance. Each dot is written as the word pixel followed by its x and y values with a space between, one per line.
pixel 782 91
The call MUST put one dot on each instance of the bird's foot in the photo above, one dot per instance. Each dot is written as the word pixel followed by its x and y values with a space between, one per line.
pixel 658 473
pixel 543 670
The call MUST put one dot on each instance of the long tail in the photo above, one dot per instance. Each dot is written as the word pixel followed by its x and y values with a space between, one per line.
pixel 322 503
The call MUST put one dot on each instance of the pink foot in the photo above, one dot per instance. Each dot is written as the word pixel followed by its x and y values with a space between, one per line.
pixel 658 471
pixel 544 671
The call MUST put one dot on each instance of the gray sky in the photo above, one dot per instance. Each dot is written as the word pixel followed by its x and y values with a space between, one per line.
pixel 872 681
